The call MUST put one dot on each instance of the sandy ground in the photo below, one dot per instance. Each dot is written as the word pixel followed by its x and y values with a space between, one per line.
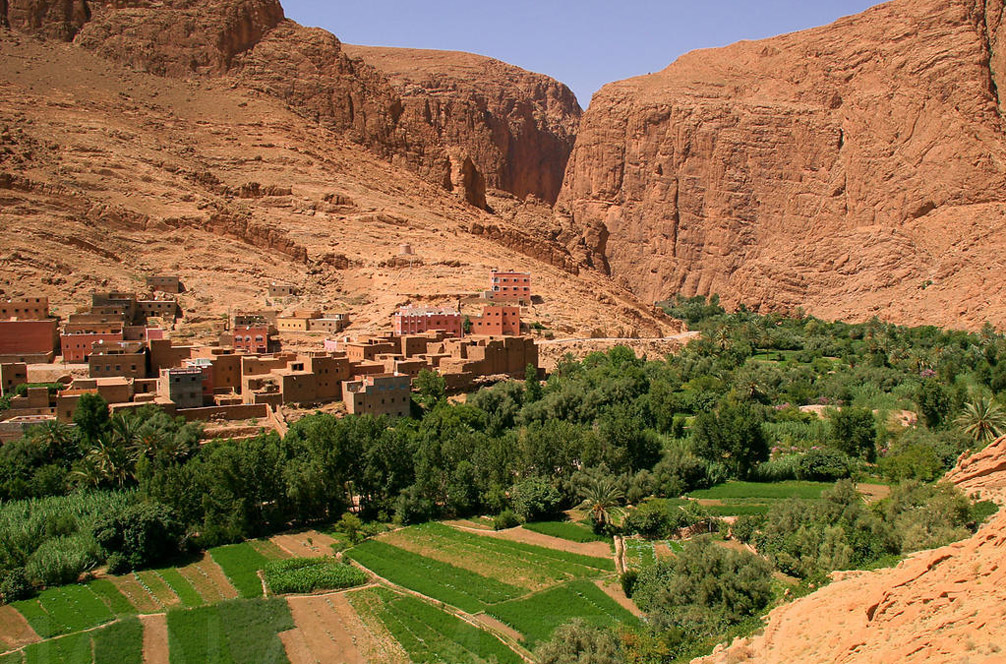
pixel 15 630
pixel 613 589
pixel 297 544
pixel 874 492
pixel 329 632
pixel 155 639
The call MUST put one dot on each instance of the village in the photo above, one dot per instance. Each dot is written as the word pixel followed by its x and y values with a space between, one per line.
pixel 122 349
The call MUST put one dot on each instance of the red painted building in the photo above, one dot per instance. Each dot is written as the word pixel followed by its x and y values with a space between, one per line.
pixel 417 320
pixel 77 346
pixel 497 321
pixel 28 337
pixel 252 339
pixel 510 287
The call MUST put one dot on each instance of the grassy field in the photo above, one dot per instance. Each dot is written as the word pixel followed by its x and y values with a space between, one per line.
pixel 567 530
pixel 762 491
pixel 66 609
pixel 118 643
pixel 234 632
pixel 241 563
pixel 429 634
pixel 182 587
pixel 537 616
pixel 442 581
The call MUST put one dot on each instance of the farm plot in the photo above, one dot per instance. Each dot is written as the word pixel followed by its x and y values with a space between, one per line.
pixel 118 643
pixel 537 616
pixel 514 563
pixel 182 587
pixel 241 563
pixel 63 610
pixel 329 631
pixel 429 634
pixel 209 580
pixel 640 553
pixel 450 584
pixel 762 491
pixel 567 530
pixel 233 632
pixel 158 588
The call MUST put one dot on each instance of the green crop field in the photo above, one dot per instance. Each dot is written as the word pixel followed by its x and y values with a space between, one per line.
pixel 639 553
pixel 241 563
pixel 181 586
pixel 119 643
pixel 762 491
pixel 537 616
pixel 72 649
pixel 455 586
pixel 567 530
pixel 732 508
pixel 63 610
pixel 428 634
pixel 306 575
pixel 233 632
pixel 115 600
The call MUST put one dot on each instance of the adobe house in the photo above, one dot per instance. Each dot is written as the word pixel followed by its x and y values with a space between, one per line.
pixel 497 321
pixel 510 287
pixel 25 308
pixel 417 320
pixel 385 394
pixel 12 375
pixel 165 283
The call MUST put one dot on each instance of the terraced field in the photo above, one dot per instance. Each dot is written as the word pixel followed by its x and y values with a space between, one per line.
pixel 450 595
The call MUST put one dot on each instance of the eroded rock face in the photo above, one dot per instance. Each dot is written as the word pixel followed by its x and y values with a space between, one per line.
pixel 517 127
pixel 53 19
pixel 855 169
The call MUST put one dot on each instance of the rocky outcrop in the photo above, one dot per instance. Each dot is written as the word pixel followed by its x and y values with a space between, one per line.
pixel 939 606
pixel 52 19
pixel 854 169
pixel 178 37
pixel 517 127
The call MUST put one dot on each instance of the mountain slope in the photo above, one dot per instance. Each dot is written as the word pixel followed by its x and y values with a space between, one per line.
pixel 108 173
pixel 854 169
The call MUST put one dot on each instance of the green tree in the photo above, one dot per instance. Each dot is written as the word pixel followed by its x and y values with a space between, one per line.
pixel 732 436
pixel 138 536
pixel 600 495
pixel 534 498
pixel 854 432
pixel 91 417
pixel 579 642
pixel 933 401
pixel 982 420
pixel 431 388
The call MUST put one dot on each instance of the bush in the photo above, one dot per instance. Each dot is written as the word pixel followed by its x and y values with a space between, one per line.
pixel 656 519
pixel 825 465
pixel 854 432
pixel 628 579
pixel 14 585
pixel 139 535
pixel 505 519
pixel 704 589
pixel 305 575
pixel 579 642
pixel 534 499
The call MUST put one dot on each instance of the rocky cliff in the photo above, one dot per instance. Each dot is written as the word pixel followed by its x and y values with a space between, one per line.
pixel 517 127
pixel 939 606
pixel 459 120
pixel 854 169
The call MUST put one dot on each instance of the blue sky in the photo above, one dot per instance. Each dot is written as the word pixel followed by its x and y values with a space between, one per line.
pixel 583 43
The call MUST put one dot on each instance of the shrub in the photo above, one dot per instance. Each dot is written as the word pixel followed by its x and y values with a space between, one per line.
pixel 656 519
pixel 825 465
pixel 628 579
pixel 305 575
pixel 62 560
pixel 534 498
pixel 14 585
pixel 505 519
pixel 854 432
pixel 139 535
pixel 579 641
pixel 705 588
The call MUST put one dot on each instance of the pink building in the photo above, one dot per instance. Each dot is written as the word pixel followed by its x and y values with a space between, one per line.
pixel 417 320
pixel 77 346
pixel 252 339
pixel 497 321
pixel 510 287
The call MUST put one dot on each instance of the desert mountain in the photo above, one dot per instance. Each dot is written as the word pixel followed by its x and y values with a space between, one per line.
pixel 938 606
pixel 854 169
pixel 235 147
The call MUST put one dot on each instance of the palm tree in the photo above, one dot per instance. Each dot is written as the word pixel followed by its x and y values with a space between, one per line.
pixel 982 420
pixel 600 495
pixel 53 437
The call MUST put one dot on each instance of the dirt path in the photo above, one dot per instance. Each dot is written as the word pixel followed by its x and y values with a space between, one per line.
pixel 595 549
pixel 155 639
pixel 329 632
pixel 497 626
pixel 308 544
pixel 874 492
pixel 15 630
pixel 613 589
